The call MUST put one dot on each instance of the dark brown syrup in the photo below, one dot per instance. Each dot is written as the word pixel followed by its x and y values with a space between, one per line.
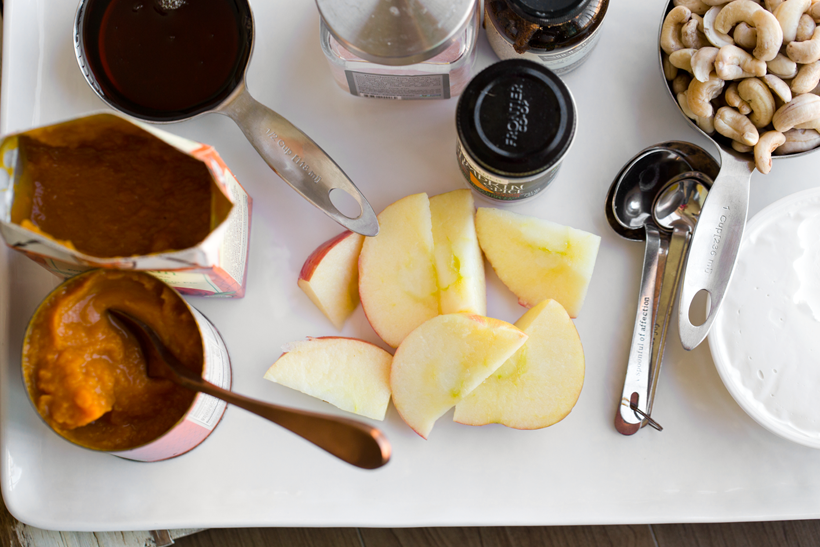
pixel 166 59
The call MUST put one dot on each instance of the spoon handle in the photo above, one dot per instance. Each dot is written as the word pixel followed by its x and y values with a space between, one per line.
pixel 668 291
pixel 637 380
pixel 298 160
pixel 351 441
pixel 715 244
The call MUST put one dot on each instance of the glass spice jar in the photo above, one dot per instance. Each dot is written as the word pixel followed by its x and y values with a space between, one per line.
pixel 515 122
pixel 391 50
pixel 558 34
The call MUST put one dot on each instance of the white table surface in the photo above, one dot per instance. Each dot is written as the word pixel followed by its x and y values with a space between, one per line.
pixel 711 463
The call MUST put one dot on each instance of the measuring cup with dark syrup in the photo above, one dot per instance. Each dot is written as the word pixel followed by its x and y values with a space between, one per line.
pixel 166 61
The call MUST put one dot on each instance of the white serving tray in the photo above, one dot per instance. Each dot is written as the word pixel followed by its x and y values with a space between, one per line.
pixel 711 463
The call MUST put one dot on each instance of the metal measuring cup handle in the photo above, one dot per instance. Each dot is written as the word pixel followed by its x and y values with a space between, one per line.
pixel 715 244
pixel 298 160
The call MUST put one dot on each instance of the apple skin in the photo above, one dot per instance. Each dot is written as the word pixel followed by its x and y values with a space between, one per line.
pixel 443 360
pixel 330 277
pixel 539 385
pixel 349 373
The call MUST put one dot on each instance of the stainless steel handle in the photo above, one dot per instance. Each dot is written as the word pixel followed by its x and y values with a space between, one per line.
pixel 637 380
pixel 298 160
pixel 715 244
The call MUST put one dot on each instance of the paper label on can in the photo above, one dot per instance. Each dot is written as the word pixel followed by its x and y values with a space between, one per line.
pixel 394 86
pixel 208 410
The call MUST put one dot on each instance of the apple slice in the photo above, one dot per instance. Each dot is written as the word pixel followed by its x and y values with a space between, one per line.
pixel 540 384
pixel 443 360
pixel 350 374
pixel 459 263
pixel 397 274
pixel 330 276
pixel 538 259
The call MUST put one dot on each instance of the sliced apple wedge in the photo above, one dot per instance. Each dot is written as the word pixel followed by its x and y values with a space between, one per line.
pixel 443 360
pixel 351 374
pixel 538 259
pixel 540 384
pixel 459 263
pixel 330 276
pixel 397 274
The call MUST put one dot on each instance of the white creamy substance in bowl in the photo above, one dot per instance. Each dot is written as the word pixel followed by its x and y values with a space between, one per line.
pixel 766 339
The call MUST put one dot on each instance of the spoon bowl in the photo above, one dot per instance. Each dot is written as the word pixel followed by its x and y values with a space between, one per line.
pixel 353 442
pixel 678 205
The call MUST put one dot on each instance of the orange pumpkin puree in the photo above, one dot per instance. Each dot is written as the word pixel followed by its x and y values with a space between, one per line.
pixel 87 376
pixel 108 188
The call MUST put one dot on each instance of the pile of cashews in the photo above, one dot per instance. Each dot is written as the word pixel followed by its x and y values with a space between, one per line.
pixel 748 70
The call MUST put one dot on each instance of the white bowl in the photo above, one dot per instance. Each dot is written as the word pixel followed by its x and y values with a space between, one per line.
pixel 766 339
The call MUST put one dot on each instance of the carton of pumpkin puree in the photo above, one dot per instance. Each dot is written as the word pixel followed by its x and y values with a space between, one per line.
pixel 103 191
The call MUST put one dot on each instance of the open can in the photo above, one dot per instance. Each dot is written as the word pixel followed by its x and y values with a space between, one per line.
pixel 64 371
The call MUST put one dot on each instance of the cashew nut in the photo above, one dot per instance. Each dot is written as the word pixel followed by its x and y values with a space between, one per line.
pixel 742 148
pixel 801 109
pixel 779 87
pixel 718 39
pixel 731 123
pixel 700 94
pixel 807 78
pixel 811 124
pixel 682 58
pixel 788 15
pixel 799 140
pixel 814 11
pixel 681 83
pixel 769 33
pixel 683 102
pixel 669 70
pixel 805 28
pixel 807 51
pixel 768 142
pixel 733 63
pixel 716 2
pixel 733 99
pixel 703 62
pixel 757 94
pixel 782 67
pixel 771 5
pixel 695 6
pixel 691 36
pixel 670 31
pixel 745 36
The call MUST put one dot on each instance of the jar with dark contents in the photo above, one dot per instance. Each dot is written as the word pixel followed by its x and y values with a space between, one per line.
pixel 515 121
pixel 558 34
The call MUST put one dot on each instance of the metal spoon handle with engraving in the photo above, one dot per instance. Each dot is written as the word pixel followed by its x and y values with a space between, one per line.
pixel 298 160
pixel 715 244
pixel 637 381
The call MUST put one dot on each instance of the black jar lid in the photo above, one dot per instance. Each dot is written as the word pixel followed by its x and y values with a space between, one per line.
pixel 516 117
pixel 547 12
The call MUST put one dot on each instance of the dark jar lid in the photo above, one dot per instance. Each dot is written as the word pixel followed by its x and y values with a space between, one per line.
pixel 547 12
pixel 516 118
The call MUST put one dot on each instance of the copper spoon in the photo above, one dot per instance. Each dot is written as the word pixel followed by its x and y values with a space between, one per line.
pixel 353 442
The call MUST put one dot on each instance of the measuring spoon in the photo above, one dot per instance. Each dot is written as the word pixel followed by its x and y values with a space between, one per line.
pixel 294 156
pixel 676 209
pixel 629 210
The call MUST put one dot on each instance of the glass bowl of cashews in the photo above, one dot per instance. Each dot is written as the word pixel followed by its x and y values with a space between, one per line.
pixel 746 72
